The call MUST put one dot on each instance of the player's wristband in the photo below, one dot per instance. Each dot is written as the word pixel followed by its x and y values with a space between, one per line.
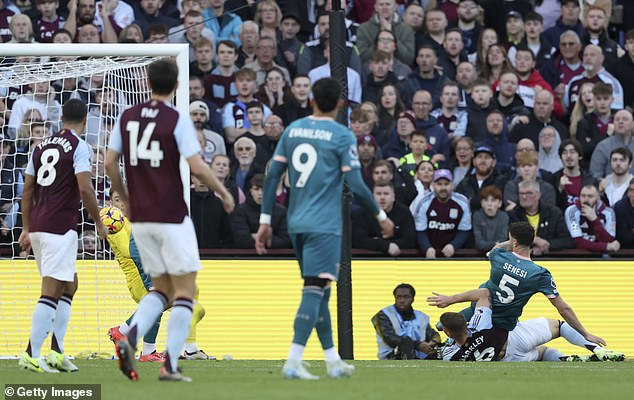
pixel 381 216
pixel 265 219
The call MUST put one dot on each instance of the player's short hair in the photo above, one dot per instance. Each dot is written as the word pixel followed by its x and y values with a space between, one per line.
pixel 491 191
pixel 450 83
pixel 384 183
pixel 383 163
pixel 246 73
pixel 163 75
pixel 203 42
pixel 228 43
pixel 257 180
pixel 74 110
pixel 193 14
pixel 378 56
pixel 569 142
pixel 326 93
pixel 453 322
pixel 255 104
pixel 591 185
pixel 525 49
pixel 602 89
pixel 358 115
pixel 523 232
pixel 533 16
pixel 527 158
pixel 624 151
pixel 419 133
pixel 427 46
pixel 407 286
pixel 481 82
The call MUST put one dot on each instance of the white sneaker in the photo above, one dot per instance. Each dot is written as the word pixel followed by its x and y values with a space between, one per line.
pixel 339 369
pixel 294 369
pixel 61 362
pixel 47 368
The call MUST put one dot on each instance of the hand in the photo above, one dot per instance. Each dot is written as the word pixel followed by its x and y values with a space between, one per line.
pixel 536 251
pixel 72 7
pixel 563 182
pixel 387 228
pixel 102 231
pixel 430 253
pixel 560 91
pixel 385 23
pixel 510 206
pixel 426 347
pixel 610 130
pixel 594 339
pixel 437 157
pixel 263 238
pixel 523 119
pixel 542 244
pixel 588 212
pixel 4 228
pixel 289 56
pixel 25 241
pixel 393 250
pixel 603 183
pixel 228 203
pixel 395 161
pixel 448 250
pixel 439 300
pixel 6 207
pixel 613 246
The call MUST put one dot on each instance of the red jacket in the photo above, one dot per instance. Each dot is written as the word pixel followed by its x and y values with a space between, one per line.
pixel 526 90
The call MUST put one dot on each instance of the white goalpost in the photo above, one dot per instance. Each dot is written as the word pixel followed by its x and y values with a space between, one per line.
pixel 35 80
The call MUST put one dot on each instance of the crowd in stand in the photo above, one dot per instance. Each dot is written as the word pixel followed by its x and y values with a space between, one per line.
pixel 468 114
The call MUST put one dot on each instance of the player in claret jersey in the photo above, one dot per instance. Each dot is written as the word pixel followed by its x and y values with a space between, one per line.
pixel 152 136
pixel 57 177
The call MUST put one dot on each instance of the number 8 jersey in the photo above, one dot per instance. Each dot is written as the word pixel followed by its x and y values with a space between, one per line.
pixel 513 280
pixel 317 150
pixel 54 164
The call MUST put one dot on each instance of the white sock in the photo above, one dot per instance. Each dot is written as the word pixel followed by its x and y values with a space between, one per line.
pixel 148 348
pixel 296 352
pixel 332 354
pixel 149 309
pixel 191 348
pixel 41 323
pixel 551 354
pixel 124 328
pixel 573 337
pixel 62 316
pixel 178 329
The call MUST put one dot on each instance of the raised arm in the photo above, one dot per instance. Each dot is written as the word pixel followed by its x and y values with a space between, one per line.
pixel 570 317
pixel 481 296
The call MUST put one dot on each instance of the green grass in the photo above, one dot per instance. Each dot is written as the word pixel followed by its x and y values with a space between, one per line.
pixel 373 380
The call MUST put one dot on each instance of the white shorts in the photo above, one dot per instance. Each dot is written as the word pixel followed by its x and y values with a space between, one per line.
pixel 525 338
pixel 167 248
pixel 55 254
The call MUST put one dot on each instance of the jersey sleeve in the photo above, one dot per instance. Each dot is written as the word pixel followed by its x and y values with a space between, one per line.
pixel 82 158
pixel 482 319
pixel 547 285
pixel 281 153
pixel 116 142
pixel 30 167
pixel 185 135
pixel 348 152
pixel 572 217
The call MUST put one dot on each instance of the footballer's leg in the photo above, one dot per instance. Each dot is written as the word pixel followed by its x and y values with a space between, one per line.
pixel 569 333
pixel 192 352
pixel 56 357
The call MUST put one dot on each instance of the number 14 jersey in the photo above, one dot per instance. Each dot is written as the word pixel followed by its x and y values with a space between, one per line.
pixel 513 280
pixel 152 136
pixel 316 150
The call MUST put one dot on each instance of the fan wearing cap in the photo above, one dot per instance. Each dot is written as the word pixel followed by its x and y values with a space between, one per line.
pixel 484 174
pixel 398 142
pixel 495 12
pixel 288 47
pixel 514 29
pixel 442 218
pixel 211 142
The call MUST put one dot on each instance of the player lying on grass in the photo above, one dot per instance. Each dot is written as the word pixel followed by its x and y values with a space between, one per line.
pixel 139 283
pixel 481 341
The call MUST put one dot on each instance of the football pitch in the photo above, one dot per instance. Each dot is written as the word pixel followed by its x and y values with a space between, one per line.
pixel 372 380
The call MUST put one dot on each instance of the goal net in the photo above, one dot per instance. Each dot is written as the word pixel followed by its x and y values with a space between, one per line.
pixel 35 80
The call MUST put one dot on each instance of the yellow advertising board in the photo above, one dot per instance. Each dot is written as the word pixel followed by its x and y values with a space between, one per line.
pixel 250 304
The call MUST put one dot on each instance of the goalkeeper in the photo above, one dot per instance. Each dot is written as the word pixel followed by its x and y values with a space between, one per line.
pixel 127 255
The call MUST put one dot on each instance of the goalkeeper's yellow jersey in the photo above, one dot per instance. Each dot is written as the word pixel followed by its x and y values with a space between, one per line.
pixel 120 245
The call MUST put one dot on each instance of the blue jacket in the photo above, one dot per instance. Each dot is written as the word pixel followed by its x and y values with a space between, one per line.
pixel 437 136
pixel 553 34
pixel 503 149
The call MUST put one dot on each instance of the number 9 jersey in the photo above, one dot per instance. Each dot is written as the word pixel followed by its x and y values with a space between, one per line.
pixel 513 280
pixel 54 164
pixel 317 151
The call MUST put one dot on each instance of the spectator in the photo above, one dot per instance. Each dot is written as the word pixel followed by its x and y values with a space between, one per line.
pixel 484 174
pixel 496 63
pixel 509 102
pixel 274 90
pixel 211 142
pixel 581 108
pixel 224 24
pixel 569 180
pixel 244 150
pixel 451 53
pixel 7 10
pixel 438 139
pixel 462 162
pixel 623 69
pixel 268 16
pixel 442 218
pixel 596 33
pixel 515 32
pixel 297 104
pixel 490 223
pixel 360 123
pixel 265 53
pixel 148 13
pixel 448 116
pixel 390 107
pixel 249 35
pixel 211 221
pixel 220 166
pixel 487 37
pixel 541 117
pixel 418 143
pixel 197 92
pixel 366 233
pixel 414 17
pixel 527 170
pixel 622 137
pixel 159 34
pixel 380 75
pixel 367 148
pixel 478 109
pixel 404 188
pixel 255 116
pixel 547 220
pixel 468 24
pixel 569 20
pixel 593 72
pixel 565 65
pixel 351 26
pixel 83 12
pixel 220 85
pixel 289 45
pixel 614 186
pixel 324 71
pixel 273 128
pixel 41 98
pixel 424 176
pixel 465 77
pixel 398 144
pixel 48 21
pixel 306 10
pixel 496 10
pixel 599 124
pixel 549 142
pixel 386 41
pixel 497 138
pixel 385 17
pixel 425 77
pixel 591 223
pixel 11 185
pixel 624 211
pixel 192 32
pixel 435 25
pixel 246 219
pixel 186 6
pixel 203 62
pixel 403 333
pixel 131 34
